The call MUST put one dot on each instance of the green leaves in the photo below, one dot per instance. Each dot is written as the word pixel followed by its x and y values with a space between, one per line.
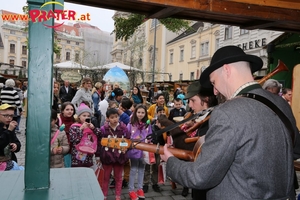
pixel 175 25
pixel 126 26
pixel 56 48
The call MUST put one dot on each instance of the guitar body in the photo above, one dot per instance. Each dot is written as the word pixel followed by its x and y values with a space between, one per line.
pixel 198 146
pixel 296 94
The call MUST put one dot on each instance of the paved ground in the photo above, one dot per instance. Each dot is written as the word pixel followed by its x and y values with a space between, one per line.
pixel 166 194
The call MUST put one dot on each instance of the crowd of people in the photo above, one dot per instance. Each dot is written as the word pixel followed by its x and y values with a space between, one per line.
pixel 235 146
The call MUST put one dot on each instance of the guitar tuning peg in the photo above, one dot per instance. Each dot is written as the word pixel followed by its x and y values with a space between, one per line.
pixel 120 151
pixel 113 150
pixel 109 136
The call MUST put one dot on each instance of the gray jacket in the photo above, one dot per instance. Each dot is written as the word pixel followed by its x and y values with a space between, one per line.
pixel 247 154
pixel 82 95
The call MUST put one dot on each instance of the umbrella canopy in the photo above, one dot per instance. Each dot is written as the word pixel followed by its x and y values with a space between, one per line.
pixel 116 64
pixel 70 65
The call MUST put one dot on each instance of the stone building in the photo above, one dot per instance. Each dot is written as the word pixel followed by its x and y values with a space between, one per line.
pixel 97 44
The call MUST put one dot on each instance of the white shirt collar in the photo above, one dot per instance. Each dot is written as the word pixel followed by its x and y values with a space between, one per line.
pixel 242 87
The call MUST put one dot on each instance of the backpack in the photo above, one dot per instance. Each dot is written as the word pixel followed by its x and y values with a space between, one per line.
pixel 88 142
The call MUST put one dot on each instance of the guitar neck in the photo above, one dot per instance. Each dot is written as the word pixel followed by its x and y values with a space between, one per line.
pixel 178 153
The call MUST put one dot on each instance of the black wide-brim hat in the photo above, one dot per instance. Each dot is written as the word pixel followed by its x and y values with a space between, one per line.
pixel 227 55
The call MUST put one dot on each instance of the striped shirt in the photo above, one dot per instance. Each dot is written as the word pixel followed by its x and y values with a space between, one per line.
pixel 11 97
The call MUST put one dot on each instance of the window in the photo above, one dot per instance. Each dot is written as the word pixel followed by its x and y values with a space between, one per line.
pixel 68 42
pixel 193 51
pixel 125 57
pixel 180 76
pixel 12 48
pixel 24 50
pixel 228 32
pixel 77 43
pixel 58 56
pixel 12 32
pixel 171 58
pixel 11 62
pixel 192 76
pixel 217 44
pixel 181 54
pixel 243 31
pixel 23 63
pixel 204 48
pixel 68 55
pixel 77 57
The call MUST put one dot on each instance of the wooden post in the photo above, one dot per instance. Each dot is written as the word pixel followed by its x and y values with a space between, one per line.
pixel 37 171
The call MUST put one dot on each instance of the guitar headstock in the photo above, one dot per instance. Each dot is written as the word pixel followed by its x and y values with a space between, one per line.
pixel 116 143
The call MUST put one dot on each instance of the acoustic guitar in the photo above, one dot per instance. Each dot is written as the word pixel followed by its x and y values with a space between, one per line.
pixel 124 144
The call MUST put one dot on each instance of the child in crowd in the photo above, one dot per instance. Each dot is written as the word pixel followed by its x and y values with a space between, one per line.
pixel 113 159
pixel 139 130
pixel 133 107
pixel 152 110
pixel 124 110
pixel 177 110
pixel 77 130
pixel 160 110
pixel 182 97
pixel 59 143
pixel 124 116
pixel 113 104
pixel 66 117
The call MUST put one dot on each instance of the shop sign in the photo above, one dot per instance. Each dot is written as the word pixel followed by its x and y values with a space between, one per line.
pixel 71 76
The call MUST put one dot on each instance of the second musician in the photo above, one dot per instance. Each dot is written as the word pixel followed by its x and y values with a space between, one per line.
pixel 199 99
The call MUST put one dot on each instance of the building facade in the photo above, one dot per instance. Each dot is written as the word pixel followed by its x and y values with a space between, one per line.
pixel 13 53
pixel 190 52
pixel 71 44
pixel 253 42
pixel 97 45
pixel 183 57
pixel 138 51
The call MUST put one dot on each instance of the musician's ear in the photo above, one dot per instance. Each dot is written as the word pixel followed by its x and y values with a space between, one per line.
pixel 227 69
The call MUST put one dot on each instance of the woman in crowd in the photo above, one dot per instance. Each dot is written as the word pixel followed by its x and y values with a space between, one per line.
pixel 136 95
pixel 55 96
pixel 96 96
pixel 84 93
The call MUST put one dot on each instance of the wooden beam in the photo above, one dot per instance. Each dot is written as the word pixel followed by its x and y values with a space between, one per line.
pixel 166 12
pixel 290 4
pixel 40 64
pixel 259 25
pixel 229 8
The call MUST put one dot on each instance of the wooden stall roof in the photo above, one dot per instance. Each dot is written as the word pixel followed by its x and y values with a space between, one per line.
pixel 280 15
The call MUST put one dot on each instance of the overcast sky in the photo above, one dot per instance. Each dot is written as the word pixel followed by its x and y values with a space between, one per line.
pixel 101 18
